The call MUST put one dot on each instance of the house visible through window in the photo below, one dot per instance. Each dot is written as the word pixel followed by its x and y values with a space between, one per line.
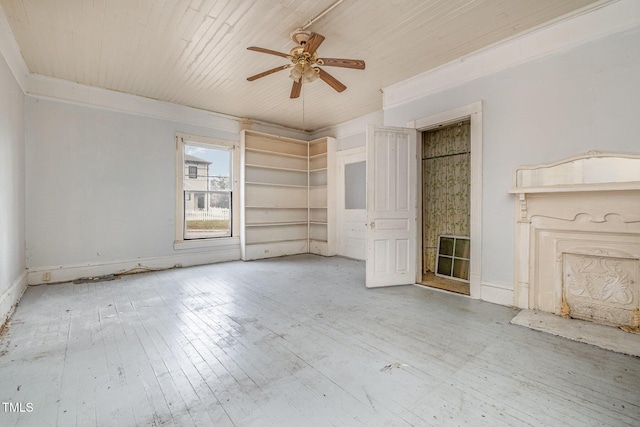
pixel 207 191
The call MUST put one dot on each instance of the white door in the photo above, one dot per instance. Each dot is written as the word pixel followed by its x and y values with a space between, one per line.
pixel 351 212
pixel 391 206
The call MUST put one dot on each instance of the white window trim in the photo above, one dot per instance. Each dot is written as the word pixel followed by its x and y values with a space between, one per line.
pixel 234 147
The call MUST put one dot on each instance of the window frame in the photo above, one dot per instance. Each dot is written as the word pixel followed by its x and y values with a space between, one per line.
pixel 453 257
pixel 193 175
pixel 181 140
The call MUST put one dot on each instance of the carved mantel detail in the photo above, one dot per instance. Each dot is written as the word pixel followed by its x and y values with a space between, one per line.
pixel 523 207
pixel 601 288
pixel 578 238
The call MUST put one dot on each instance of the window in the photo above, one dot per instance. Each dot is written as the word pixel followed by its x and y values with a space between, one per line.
pixel 453 257
pixel 205 188
pixel 355 185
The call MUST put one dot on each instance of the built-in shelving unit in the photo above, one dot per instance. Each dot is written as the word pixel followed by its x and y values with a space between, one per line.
pixel 321 200
pixel 285 206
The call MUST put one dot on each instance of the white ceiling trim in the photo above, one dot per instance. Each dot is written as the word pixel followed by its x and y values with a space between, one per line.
pixel 11 52
pixel 45 87
pixel 265 127
pixel 40 86
pixel 597 21
pixel 350 127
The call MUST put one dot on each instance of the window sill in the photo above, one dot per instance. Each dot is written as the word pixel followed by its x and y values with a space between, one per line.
pixel 206 243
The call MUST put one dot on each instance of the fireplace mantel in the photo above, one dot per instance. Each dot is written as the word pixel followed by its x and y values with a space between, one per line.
pixel 578 235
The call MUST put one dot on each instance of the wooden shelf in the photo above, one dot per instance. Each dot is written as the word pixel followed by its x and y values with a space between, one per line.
pixel 275 224
pixel 276 241
pixel 249 165
pixel 317 223
pixel 275 153
pixel 267 184
pixel 317 170
pixel 275 207
pixel 318 155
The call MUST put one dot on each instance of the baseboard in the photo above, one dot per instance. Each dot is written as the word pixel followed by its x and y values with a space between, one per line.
pixel 271 250
pixel 9 299
pixel 69 273
pixel 496 293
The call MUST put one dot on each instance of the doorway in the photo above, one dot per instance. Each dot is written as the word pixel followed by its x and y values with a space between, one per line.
pixel 446 206
pixel 351 203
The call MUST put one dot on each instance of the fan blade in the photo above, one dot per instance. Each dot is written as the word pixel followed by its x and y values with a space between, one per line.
pixel 331 81
pixel 266 73
pixel 358 64
pixel 269 51
pixel 314 42
pixel 295 89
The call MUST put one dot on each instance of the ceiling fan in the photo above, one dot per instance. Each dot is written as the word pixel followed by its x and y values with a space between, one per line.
pixel 305 62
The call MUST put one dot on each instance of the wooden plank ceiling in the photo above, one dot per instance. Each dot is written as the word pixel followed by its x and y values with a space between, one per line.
pixel 193 52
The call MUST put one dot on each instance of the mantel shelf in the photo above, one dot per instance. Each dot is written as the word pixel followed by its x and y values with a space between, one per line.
pixel 609 186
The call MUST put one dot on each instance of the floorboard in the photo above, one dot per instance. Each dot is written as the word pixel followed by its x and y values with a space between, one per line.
pixel 295 341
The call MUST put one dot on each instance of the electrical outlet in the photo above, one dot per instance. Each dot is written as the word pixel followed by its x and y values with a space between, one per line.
pixel 46 277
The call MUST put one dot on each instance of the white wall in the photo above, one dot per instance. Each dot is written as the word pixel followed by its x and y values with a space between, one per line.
pixel 580 99
pixel 350 134
pixel 12 190
pixel 100 189
pixel 100 182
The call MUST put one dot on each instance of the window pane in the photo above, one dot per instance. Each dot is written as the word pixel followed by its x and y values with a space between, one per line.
pixel 461 269
pixel 212 222
pixel 207 192
pixel 463 248
pixel 355 185
pixel 444 266
pixel 446 246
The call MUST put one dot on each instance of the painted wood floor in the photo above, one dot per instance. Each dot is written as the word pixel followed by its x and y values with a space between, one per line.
pixel 294 341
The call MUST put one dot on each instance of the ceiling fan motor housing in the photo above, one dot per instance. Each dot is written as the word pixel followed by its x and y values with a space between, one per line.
pixel 300 36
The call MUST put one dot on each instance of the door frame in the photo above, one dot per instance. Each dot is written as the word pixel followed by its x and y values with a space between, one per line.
pixel 343 158
pixel 472 112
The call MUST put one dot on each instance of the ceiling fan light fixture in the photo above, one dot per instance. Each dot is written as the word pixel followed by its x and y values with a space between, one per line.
pixel 296 73
pixel 310 74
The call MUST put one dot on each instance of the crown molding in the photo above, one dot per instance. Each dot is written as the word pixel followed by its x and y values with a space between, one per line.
pixel 350 127
pixel 65 91
pixel 11 52
pixel 596 21
pixel 45 87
